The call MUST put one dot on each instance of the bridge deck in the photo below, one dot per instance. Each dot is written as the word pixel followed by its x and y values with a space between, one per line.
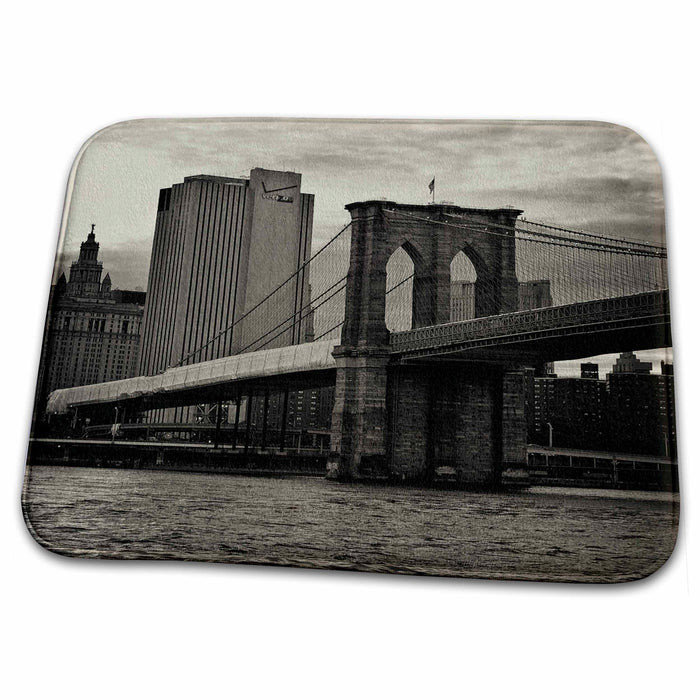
pixel 540 330
pixel 293 359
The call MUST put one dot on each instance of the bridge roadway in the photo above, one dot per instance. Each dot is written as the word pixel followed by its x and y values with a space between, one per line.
pixel 585 329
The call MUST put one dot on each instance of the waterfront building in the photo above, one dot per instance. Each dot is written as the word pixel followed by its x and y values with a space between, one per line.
pixel 631 411
pixel 568 411
pixel 308 412
pixel 642 407
pixel 539 397
pixel 92 331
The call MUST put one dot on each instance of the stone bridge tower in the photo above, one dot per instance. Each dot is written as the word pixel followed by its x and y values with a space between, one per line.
pixel 385 414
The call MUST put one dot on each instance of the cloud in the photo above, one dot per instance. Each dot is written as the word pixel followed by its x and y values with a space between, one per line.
pixel 589 175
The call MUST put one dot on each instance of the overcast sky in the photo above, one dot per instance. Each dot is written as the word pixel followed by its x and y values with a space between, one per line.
pixel 589 175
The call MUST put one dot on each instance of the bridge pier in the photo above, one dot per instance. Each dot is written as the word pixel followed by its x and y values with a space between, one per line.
pixel 416 423
pixel 460 421
pixel 359 422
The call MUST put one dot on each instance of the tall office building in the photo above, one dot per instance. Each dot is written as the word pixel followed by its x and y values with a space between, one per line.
pixel 221 245
pixel 92 330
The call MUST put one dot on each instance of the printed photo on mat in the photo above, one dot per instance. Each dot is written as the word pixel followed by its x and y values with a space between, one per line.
pixel 414 347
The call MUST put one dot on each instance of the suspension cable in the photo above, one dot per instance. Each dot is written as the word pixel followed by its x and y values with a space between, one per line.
pixel 262 301
pixel 590 235
pixel 563 241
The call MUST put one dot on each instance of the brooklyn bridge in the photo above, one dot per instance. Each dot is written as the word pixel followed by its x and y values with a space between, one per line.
pixel 423 377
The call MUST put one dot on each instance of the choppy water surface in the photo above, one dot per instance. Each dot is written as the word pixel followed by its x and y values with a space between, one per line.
pixel 543 533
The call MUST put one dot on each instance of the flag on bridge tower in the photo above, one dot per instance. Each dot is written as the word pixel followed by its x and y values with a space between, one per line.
pixel 431 187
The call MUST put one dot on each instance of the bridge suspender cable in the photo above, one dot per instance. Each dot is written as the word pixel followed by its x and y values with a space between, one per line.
pixel 295 318
pixel 213 339
pixel 311 309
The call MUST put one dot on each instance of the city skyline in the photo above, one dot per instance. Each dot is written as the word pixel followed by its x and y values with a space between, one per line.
pixel 531 283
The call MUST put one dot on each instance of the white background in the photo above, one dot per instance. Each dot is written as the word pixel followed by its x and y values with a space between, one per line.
pixel 85 629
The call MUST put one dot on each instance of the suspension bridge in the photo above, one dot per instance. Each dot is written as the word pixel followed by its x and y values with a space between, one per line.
pixel 423 318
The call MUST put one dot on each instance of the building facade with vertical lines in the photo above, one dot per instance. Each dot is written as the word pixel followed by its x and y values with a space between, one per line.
pixel 221 245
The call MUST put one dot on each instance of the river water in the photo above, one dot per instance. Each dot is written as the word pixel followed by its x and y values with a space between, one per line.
pixel 544 533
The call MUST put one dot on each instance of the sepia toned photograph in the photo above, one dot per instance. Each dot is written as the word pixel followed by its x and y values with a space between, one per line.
pixel 413 347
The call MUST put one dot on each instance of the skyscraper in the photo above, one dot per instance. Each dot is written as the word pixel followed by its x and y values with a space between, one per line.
pixel 632 411
pixel 92 329
pixel 86 272
pixel 221 245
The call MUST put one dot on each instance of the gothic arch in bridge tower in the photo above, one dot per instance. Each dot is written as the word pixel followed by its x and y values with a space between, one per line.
pixel 400 271
pixel 463 281
pixel 432 236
